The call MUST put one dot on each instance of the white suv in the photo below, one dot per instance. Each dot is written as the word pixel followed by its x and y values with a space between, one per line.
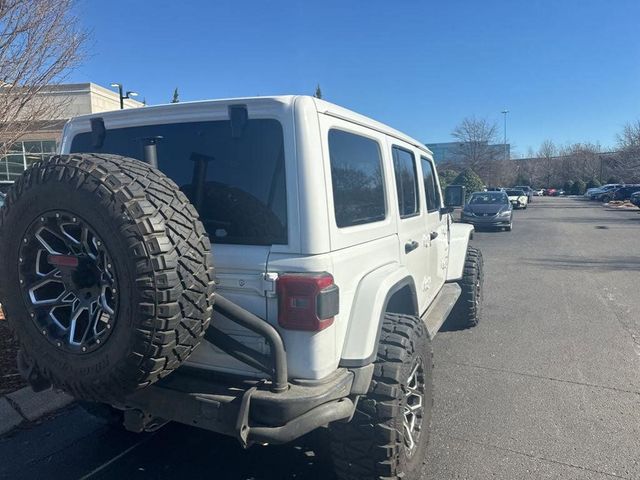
pixel 336 261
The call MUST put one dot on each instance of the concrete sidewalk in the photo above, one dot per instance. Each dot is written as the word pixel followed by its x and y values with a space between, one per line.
pixel 25 405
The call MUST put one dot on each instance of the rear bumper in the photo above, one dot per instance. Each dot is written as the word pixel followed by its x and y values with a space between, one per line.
pixel 249 411
pixel 269 411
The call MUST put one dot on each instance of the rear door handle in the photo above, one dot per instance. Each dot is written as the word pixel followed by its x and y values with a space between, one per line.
pixel 410 246
pixel 433 235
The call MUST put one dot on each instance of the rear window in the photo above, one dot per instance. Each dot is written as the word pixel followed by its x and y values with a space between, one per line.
pixel 236 184
pixel 356 176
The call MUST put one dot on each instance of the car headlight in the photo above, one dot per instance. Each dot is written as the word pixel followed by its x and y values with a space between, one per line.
pixel 506 213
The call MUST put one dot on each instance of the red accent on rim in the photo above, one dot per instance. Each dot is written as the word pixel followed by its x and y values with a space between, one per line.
pixel 63 260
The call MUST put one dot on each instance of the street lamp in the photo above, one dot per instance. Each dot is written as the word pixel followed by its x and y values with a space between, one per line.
pixel 128 94
pixel 506 154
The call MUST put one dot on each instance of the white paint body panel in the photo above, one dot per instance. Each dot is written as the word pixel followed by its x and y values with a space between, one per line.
pixel 366 261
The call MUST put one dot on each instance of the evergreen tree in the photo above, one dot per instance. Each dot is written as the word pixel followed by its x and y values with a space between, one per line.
pixel 522 179
pixel 318 93
pixel 175 98
pixel 578 187
pixel 470 180
pixel 593 183
pixel 446 177
pixel 568 185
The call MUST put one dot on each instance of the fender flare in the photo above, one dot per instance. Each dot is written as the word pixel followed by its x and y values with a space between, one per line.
pixel 460 234
pixel 372 297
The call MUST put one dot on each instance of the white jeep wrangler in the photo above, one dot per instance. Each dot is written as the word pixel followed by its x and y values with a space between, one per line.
pixel 336 262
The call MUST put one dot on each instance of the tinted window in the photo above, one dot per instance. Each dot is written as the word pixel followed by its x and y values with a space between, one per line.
pixel 430 187
pixel 237 184
pixel 356 176
pixel 404 165
pixel 488 198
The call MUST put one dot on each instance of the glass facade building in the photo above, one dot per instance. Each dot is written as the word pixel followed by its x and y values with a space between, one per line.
pixel 23 154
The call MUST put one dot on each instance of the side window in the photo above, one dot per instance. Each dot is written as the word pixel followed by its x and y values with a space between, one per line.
pixel 404 165
pixel 430 186
pixel 356 176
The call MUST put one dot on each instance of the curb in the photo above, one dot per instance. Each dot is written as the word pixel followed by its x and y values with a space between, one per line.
pixel 25 405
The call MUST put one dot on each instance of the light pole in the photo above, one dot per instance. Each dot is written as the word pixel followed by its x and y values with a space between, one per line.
pixel 506 154
pixel 129 94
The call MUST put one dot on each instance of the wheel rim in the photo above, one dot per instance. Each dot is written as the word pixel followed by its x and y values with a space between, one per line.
pixel 68 282
pixel 413 410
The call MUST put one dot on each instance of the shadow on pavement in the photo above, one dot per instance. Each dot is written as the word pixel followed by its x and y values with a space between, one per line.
pixel 601 264
pixel 179 451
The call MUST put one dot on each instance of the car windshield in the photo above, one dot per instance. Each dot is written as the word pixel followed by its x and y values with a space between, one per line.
pixel 488 198
pixel 515 193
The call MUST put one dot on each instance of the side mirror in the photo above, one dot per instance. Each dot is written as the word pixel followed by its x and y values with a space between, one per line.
pixel 454 196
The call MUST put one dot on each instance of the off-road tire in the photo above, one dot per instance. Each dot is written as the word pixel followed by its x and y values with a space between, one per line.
pixel 372 444
pixel 161 259
pixel 468 309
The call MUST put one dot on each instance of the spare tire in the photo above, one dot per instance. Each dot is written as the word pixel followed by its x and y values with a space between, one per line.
pixel 106 274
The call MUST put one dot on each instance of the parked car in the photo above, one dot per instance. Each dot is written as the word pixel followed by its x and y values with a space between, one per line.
pixel 550 192
pixel 488 209
pixel 538 193
pixel 635 199
pixel 597 193
pixel 621 194
pixel 518 198
pixel 335 257
pixel 527 190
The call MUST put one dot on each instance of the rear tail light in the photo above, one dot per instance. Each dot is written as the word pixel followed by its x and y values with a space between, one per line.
pixel 306 301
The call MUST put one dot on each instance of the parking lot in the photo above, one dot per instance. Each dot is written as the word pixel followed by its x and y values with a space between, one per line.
pixel 547 386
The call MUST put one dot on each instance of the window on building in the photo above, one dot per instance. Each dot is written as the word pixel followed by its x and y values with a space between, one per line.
pixel 430 186
pixel 404 165
pixel 22 154
pixel 356 176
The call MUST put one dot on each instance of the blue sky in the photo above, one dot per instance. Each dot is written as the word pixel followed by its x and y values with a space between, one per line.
pixel 568 70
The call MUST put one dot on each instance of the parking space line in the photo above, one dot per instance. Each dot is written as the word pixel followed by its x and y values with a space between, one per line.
pixel 117 457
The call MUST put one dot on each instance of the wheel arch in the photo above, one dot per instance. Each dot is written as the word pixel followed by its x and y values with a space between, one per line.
pixel 388 289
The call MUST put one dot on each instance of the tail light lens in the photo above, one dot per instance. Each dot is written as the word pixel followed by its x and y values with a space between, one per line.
pixel 307 301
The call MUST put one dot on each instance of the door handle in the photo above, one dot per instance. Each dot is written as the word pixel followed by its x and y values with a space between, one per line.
pixel 433 235
pixel 410 246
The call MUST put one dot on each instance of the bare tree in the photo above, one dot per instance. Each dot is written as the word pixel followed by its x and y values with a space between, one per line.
pixel 476 136
pixel 546 152
pixel 626 163
pixel 40 42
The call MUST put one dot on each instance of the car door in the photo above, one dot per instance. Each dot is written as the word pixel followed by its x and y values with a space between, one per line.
pixel 412 226
pixel 437 226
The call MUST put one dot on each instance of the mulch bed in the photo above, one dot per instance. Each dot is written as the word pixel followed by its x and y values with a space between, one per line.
pixel 10 379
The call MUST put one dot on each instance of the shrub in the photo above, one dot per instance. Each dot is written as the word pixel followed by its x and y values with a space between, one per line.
pixel 593 183
pixel 568 185
pixel 446 177
pixel 470 180
pixel 578 187
pixel 613 180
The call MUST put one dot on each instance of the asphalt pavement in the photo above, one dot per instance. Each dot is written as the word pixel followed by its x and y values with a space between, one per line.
pixel 547 386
